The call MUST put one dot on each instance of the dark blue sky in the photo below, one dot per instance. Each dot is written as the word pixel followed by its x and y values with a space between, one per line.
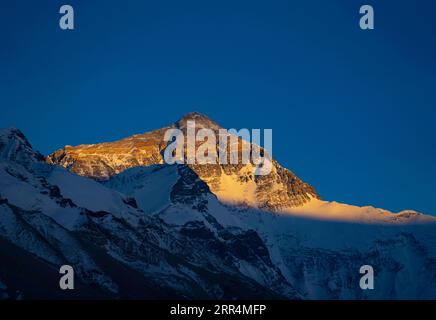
pixel 352 111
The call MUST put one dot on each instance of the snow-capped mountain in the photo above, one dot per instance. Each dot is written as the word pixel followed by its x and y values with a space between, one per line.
pixel 134 227
pixel 233 184
pixel 318 247
pixel 50 217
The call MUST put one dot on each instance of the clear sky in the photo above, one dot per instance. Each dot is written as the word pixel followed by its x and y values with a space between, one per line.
pixel 352 111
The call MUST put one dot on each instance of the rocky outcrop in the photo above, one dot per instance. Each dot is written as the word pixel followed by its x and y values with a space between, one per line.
pixel 232 183
pixel 103 160
pixel 14 146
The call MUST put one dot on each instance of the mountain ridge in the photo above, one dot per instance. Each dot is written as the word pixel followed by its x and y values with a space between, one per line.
pixel 162 225
pixel 234 184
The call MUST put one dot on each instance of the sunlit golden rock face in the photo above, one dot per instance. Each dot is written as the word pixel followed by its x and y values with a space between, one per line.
pixel 231 183
pixel 103 160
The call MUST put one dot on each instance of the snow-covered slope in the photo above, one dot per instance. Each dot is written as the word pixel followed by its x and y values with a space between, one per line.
pixel 318 247
pixel 335 211
pixel 63 218
pixel 149 186
pixel 163 231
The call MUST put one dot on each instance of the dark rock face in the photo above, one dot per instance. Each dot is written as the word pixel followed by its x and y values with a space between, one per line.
pixel 14 146
pixel 131 202
pixel 294 193
pixel 280 189
pixel 190 189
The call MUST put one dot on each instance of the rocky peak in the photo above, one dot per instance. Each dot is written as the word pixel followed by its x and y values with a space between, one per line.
pixel 14 146
pixel 13 133
pixel 235 184
pixel 201 121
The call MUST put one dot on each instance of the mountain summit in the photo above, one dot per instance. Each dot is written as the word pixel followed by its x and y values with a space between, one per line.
pixel 14 146
pixel 201 121
pixel 193 232
pixel 231 183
